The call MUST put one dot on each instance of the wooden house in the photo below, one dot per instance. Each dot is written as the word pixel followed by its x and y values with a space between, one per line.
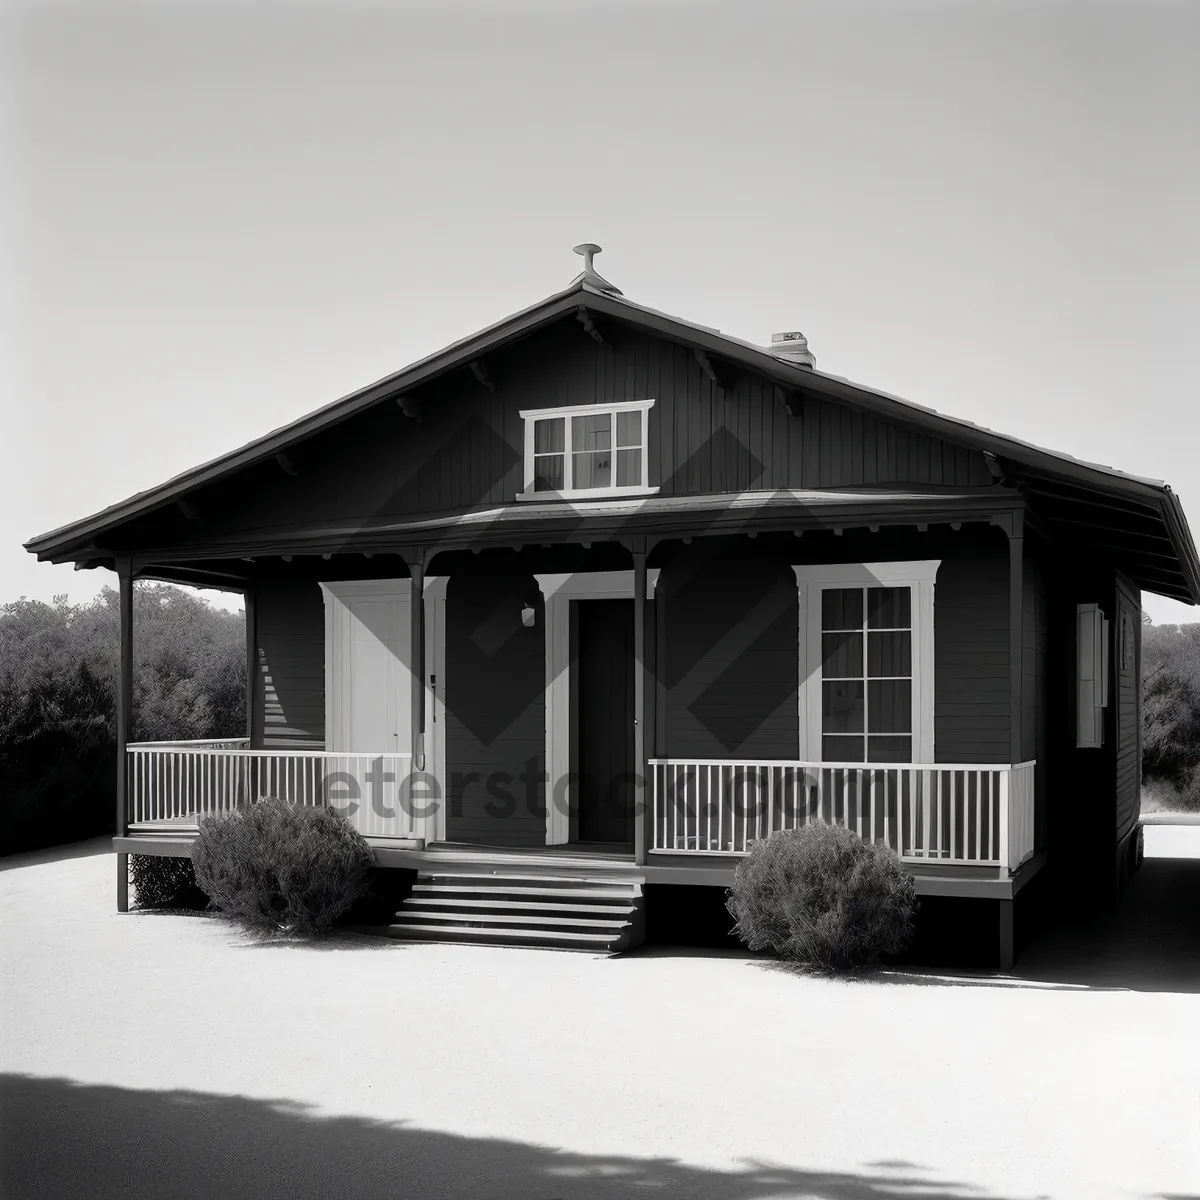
pixel 591 600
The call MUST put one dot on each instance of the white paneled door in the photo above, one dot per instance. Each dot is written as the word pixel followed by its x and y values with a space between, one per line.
pixel 380 701
pixel 368 681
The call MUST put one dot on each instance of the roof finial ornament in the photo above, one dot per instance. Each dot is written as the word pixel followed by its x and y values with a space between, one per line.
pixel 589 274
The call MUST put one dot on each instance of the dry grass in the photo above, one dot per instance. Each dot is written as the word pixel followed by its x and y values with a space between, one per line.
pixel 1161 796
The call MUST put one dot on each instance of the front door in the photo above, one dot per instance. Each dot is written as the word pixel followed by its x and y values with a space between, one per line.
pixel 604 748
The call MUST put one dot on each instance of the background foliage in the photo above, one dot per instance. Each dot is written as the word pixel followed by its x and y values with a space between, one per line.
pixel 58 668
pixel 58 672
pixel 1171 716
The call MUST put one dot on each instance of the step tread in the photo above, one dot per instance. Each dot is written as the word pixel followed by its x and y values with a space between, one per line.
pixel 463 933
pixel 473 889
pixel 528 877
pixel 499 920
pixel 548 906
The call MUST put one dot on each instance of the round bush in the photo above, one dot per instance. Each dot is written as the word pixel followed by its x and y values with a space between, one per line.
pixel 821 895
pixel 160 881
pixel 280 868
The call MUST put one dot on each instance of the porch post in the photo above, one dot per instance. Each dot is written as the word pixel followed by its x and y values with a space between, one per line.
pixel 416 569
pixel 1007 935
pixel 641 792
pixel 1016 638
pixel 1016 666
pixel 251 660
pixel 124 567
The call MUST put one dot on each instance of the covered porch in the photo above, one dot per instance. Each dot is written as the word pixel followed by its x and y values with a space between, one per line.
pixel 709 678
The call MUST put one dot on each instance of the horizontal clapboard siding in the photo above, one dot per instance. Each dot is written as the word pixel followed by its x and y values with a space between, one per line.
pixel 729 663
pixel 1126 680
pixel 289 704
pixel 972 691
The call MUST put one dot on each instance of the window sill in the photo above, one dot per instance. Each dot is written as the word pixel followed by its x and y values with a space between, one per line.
pixel 587 494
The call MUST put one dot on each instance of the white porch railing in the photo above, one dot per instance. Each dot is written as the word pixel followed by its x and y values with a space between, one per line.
pixel 974 814
pixel 179 782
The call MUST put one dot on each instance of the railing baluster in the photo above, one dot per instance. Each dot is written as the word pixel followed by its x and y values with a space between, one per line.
pixel 954 776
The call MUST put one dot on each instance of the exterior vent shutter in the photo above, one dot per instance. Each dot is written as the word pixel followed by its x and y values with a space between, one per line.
pixel 1093 672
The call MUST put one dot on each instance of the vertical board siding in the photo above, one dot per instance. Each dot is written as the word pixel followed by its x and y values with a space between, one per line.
pixel 495 712
pixel 728 659
pixel 468 447
pixel 1126 694
pixel 289 683
pixel 971 654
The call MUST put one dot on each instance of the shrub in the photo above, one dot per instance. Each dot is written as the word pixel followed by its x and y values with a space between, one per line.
pixel 160 881
pixel 279 868
pixel 821 895
pixel 1161 795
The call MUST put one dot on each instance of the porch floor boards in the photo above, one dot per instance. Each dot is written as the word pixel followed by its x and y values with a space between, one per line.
pixel 596 860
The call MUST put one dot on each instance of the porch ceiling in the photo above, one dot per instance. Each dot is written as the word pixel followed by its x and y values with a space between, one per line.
pixel 561 522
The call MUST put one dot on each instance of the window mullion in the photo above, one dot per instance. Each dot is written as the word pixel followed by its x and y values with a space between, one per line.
pixel 569 457
pixel 866 670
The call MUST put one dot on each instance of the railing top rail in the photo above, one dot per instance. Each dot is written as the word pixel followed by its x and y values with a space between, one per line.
pixel 183 748
pixel 241 741
pixel 836 766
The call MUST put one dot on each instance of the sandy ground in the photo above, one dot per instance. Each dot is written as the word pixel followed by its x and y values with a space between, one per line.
pixel 152 1055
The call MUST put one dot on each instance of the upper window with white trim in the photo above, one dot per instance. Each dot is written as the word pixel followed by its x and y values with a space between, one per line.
pixel 587 450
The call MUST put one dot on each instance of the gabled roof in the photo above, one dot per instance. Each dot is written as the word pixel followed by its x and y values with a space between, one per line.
pixel 1057 478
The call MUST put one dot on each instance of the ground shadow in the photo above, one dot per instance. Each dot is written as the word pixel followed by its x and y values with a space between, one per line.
pixel 39 858
pixel 62 1138
pixel 1149 943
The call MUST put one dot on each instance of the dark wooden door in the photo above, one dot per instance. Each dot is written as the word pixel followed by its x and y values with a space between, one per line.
pixel 604 757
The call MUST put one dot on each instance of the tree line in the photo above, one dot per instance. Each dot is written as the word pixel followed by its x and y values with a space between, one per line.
pixel 58 679
pixel 58 683
pixel 1171 714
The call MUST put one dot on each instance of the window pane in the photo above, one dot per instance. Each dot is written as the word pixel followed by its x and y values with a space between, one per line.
pixel 889 749
pixel 889 608
pixel 629 428
pixel 841 655
pixel 548 472
pixel 591 470
pixel 841 608
pixel 841 749
pixel 548 436
pixel 591 433
pixel 889 653
pixel 889 705
pixel 842 706
pixel 629 468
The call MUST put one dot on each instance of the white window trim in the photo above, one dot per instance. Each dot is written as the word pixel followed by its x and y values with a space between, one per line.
pixel 559 591
pixel 1092 670
pixel 530 415
pixel 811 579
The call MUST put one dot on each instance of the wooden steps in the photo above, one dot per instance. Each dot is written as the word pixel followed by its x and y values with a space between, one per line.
pixel 581 909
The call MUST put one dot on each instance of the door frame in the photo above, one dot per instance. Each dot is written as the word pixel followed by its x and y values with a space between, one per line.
pixel 559 591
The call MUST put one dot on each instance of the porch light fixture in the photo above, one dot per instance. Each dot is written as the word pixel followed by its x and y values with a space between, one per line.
pixel 528 616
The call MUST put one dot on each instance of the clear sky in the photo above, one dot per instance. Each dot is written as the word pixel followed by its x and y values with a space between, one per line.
pixel 227 214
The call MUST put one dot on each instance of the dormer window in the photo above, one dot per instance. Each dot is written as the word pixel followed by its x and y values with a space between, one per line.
pixel 587 450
